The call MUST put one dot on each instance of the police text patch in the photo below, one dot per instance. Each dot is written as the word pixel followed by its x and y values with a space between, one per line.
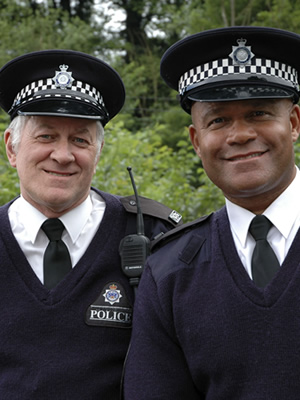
pixel 111 308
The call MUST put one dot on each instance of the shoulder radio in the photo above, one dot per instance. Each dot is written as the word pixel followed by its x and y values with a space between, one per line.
pixel 134 248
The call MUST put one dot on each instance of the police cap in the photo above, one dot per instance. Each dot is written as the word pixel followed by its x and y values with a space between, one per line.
pixel 235 63
pixel 61 83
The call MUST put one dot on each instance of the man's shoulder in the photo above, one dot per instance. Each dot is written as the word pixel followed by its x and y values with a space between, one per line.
pixel 4 208
pixel 149 207
pixel 152 208
pixel 179 247
pixel 183 232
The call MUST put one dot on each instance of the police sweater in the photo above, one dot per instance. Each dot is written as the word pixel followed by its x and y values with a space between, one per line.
pixel 68 343
pixel 203 330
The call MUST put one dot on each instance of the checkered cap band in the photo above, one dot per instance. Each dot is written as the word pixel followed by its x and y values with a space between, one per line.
pixel 268 69
pixel 45 88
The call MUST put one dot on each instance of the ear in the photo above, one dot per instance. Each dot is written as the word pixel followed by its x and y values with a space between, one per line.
pixel 295 122
pixel 10 152
pixel 194 136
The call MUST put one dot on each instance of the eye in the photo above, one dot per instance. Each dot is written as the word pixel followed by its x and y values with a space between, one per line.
pixel 216 121
pixel 262 114
pixel 79 141
pixel 45 137
pixel 259 113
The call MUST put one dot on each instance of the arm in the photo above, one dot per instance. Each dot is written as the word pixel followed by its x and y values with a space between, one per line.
pixel 156 367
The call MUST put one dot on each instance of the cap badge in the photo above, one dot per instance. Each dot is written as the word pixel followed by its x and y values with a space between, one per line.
pixel 63 78
pixel 241 54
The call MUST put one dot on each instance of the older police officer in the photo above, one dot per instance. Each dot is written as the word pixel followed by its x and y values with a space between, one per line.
pixel 66 303
pixel 218 311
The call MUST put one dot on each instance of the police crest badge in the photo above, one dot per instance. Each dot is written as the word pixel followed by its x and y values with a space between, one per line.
pixel 241 54
pixel 63 79
pixel 111 308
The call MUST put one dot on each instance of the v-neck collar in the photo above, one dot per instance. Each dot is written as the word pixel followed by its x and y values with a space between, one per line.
pixel 265 297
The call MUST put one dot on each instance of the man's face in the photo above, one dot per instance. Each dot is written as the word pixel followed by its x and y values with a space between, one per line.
pixel 56 160
pixel 246 147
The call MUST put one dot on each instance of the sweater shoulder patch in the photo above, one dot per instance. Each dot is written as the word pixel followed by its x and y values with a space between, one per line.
pixel 152 208
pixel 179 231
pixel 181 250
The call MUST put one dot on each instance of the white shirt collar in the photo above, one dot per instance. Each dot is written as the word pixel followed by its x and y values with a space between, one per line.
pixel 282 212
pixel 240 219
pixel 32 219
pixel 75 219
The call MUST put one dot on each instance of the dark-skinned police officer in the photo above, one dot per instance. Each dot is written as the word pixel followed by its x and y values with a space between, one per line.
pixel 218 311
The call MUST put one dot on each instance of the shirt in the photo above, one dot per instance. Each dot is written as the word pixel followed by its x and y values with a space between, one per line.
pixel 284 213
pixel 81 224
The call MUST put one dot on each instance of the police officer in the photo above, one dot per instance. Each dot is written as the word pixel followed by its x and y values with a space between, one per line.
pixel 218 309
pixel 66 303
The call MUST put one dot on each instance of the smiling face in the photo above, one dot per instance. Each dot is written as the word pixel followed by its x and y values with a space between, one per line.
pixel 246 147
pixel 56 159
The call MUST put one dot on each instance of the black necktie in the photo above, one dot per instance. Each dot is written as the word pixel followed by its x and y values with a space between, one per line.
pixel 264 261
pixel 57 262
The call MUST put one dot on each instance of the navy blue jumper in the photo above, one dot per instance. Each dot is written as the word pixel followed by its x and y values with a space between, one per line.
pixel 47 349
pixel 203 330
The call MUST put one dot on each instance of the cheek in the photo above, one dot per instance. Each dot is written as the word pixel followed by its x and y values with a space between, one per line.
pixel 20 161
pixel 25 159
pixel 87 163
pixel 208 148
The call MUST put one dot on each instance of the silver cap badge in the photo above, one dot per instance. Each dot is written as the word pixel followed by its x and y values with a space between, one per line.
pixel 241 54
pixel 63 78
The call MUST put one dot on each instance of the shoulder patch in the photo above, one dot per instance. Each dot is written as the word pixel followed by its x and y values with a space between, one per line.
pixel 152 208
pixel 177 232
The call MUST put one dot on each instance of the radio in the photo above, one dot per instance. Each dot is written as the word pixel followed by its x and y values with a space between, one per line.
pixel 135 248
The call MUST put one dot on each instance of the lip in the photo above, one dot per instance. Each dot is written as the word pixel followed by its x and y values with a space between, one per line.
pixel 59 174
pixel 246 157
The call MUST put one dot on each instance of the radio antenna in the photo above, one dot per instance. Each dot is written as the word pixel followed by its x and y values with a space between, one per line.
pixel 140 219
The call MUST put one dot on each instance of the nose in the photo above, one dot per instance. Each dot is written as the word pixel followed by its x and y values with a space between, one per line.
pixel 240 132
pixel 62 152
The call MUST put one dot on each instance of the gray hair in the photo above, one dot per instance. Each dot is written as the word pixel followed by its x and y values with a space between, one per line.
pixel 18 123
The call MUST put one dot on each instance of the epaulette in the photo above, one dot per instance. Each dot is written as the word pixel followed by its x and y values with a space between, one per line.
pixel 152 208
pixel 177 232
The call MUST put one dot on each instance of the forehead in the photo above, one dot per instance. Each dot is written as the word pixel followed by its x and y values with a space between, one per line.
pixel 219 106
pixel 61 123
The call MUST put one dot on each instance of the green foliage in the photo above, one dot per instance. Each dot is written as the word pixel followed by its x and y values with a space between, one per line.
pixel 297 153
pixel 284 14
pixel 24 30
pixel 9 182
pixel 173 122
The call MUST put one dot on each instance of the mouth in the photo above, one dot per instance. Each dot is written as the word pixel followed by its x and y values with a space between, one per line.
pixel 246 156
pixel 59 174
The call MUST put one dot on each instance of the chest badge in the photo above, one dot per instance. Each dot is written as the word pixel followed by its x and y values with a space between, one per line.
pixel 112 295
pixel 111 308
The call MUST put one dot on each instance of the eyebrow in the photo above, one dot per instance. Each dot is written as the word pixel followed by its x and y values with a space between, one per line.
pixel 82 130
